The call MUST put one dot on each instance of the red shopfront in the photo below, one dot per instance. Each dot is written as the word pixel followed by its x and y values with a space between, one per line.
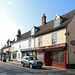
pixel 54 55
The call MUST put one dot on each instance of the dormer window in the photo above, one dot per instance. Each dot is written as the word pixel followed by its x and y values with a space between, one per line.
pixel 57 21
pixel 34 30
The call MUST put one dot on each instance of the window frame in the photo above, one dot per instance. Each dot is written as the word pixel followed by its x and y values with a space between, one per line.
pixel 29 43
pixel 40 42
pixel 56 23
pixel 52 38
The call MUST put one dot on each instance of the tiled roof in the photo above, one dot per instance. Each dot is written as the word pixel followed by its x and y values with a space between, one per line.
pixel 25 35
pixel 49 26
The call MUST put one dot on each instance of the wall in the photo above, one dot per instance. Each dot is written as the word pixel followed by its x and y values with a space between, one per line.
pixel 71 30
pixel 47 38
pixel 23 44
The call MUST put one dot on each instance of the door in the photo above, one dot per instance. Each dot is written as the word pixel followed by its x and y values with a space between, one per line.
pixel 48 58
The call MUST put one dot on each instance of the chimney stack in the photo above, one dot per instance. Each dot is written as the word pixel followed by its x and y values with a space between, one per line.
pixel 43 19
pixel 19 32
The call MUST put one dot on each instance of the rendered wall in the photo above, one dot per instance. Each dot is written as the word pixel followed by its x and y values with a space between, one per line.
pixel 47 38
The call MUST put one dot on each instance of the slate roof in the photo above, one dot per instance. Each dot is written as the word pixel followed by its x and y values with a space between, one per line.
pixel 25 35
pixel 49 26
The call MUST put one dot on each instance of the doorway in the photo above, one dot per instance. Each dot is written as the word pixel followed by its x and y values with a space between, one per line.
pixel 48 58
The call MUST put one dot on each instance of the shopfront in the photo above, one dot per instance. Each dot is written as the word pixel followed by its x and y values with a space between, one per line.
pixel 54 55
pixel 27 52
pixel 8 55
pixel 14 55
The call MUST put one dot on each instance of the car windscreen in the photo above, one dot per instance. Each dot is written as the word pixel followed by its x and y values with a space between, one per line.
pixel 32 58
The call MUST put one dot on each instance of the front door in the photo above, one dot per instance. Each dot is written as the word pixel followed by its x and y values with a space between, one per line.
pixel 48 58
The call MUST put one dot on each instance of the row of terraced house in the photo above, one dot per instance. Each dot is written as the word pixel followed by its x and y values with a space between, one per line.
pixel 52 42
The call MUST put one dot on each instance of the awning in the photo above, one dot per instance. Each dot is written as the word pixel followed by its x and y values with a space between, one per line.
pixel 28 49
pixel 13 50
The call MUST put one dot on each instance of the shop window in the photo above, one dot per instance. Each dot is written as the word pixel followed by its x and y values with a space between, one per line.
pixel 54 38
pixel 19 55
pixel 23 54
pixel 40 41
pixel 14 55
pixel 58 57
pixel 40 56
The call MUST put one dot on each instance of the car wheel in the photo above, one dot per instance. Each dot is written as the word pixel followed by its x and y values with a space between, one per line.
pixel 31 66
pixel 22 64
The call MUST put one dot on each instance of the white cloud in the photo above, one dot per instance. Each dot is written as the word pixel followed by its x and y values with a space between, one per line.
pixel 8 29
pixel 9 2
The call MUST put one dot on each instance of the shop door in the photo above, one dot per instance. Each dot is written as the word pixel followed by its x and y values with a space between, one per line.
pixel 48 58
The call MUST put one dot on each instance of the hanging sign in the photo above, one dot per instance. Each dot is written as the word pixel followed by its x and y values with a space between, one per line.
pixel 72 42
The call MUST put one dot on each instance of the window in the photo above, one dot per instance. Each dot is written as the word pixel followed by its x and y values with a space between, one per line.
pixel 32 30
pixel 58 57
pixel 40 41
pixel 40 56
pixel 29 42
pixel 56 22
pixel 14 55
pixel 54 38
pixel 19 55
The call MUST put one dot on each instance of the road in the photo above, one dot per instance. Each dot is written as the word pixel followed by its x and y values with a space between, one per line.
pixel 10 69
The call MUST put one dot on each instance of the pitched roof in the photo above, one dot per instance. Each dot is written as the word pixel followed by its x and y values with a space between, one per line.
pixel 25 35
pixel 49 26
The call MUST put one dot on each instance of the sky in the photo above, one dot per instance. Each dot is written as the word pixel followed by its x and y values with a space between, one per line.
pixel 23 14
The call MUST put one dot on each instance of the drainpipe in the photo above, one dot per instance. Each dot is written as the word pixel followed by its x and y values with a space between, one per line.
pixel 67 40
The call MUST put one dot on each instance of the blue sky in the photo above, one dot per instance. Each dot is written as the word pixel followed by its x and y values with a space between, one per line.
pixel 24 14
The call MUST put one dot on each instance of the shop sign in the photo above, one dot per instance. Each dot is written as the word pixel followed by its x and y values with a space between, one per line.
pixel 72 42
pixel 14 51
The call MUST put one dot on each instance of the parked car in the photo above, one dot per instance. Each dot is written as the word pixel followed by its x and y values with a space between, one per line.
pixel 31 62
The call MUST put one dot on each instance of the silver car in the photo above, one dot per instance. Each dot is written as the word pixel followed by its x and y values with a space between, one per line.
pixel 31 62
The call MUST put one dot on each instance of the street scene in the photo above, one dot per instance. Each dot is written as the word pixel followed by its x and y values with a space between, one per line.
pixel 16 69
pixel 37 37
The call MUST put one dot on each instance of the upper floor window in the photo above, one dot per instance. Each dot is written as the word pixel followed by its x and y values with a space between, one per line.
pixel 40 41
pixel 54 38
pixel 56 22
pixel 29 42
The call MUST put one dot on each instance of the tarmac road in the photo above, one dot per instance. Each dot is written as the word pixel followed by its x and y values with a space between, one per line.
pixel 10 69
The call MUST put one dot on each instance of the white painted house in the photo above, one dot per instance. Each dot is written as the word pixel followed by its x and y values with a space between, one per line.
pixel 23 43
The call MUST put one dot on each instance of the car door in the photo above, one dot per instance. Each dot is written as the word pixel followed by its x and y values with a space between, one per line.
pixel 27 61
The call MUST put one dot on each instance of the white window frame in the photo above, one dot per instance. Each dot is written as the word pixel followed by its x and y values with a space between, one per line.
pixel 40 41
pixel 52 38
pixel 29 43
pixel 57 22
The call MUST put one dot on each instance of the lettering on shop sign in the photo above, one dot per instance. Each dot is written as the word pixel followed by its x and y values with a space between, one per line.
pixel 72 42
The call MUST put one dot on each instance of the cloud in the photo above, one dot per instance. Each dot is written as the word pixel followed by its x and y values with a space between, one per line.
pixel 8 29
pixel 9 2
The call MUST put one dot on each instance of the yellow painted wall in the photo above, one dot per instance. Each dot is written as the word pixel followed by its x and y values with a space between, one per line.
pixel 47 38
pixel 6 49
